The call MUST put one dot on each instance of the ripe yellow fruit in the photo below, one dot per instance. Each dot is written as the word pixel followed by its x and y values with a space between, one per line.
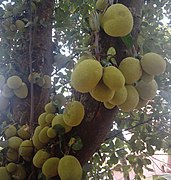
pixel 7 92
pixel 2 81
pixel 49 117
pixel 4 103
pixel 50 167
pixel 131 69
pixel 141 103
pixel 119 96
pixel 47 83
pixel 22 91
pixel 14 82
pixel 42 119
pixel 40 157
pixel 66 172
pixel 108 105
pixel 10 131
pixel 51 133
pixel 73 113
pixel 153 63
pixel 101 4
pixel 58 119
pixel 113 78
pixel 117 20
pixel 23 132
pixel 14 142
pixel 86 75
pixel 4 174
pixel 50 108
pixel 36 142
pixel 11 167
pixel 131 100
pixel 26 148
pixel 101 92
pixel 20 173
pixel 12 155
pixel 147 77
pixel 20 25
pixel 43 135
pixel 147 91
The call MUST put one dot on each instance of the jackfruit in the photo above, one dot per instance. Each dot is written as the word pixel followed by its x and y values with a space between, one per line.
pixel 10 131
pixel 119 96
pixel 43 135
pixel 20 25
pixel 50 108
pixel 131 100
pixel 4 174
pixel 26 148
pixel 58 120
pixel 49 117
pixel 101 92
pixel 51 133
pixel 59 99
pixel 7 92
pixel 4 103
pixel 40 157
pixel 11 167
pixel 131 69
pixel 101 4
pixel 141 103
pixel 14 82
pixel 108 105
pixel 73 113
pixel 153 64
pixel 42 119
pixel 113 78
pixel 147 77
pixel 50 167
pixel 117 21
pixel 33 77
pixel 12 155
pixel 14 142
pixel 2 81
pixel 22 91
pixel 147 91
pixel 47 81
pixel 23 132
pixel 86 75
pixel 66 172
pixel 20 173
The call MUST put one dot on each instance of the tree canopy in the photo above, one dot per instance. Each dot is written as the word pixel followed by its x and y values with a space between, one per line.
pixel 43 42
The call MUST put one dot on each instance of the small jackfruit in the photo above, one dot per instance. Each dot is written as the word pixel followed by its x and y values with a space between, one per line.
pixel 73 113
pixel 49 117
pixel 50 108
pixel 14 82
pixel 101 4
pixel 7 92
pixel 43 135
pixel 51 133
pixel 11 167
pixel 23 132
pixel 47 83
pixel 22 91
pixel 147 77
pixel 20 25
pixel 10 131
pixel 20 173
pixel 26 148
pixel 4 174
pixel 42 119
pixel 14 142
pixel 108 105
pixel 141 103
pixel 86 75
pixel 12 155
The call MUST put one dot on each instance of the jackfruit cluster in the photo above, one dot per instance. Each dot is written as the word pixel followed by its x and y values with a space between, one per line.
pixel 130 86
pixel 43 81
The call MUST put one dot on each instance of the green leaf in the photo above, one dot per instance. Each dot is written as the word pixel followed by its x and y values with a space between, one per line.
pixel 78 144
pixel 119 143
pixel 113 159
pixel 128 41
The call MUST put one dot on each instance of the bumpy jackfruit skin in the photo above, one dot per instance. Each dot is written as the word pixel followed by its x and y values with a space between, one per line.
pixel 142 103
pixel 4 103
pixel 101 92
pixel 51 133
pixel 14 82
pixel 10 131
pixel 66 172
pixel 131 69
pixel 50 167
pixel 59 99
pixel 22 91
pixel 14 142
pixel 101 4
pixel 131 100
pixel 7 92
pixel 43 135
pixel 73 113
pixel 42 119
pixel 26 148
pixel 119 96
pixel 147 91
pixel 146 77
pixel 113 78
pixel 20 25
pixel 23 132
pixel 86 75
pixel 4 174
pixel 11 167
pixel 49 117
pixel 50 108
pixel 40 157
pixel 20 172
pixel 153 63
pixel 12 155
pixel 117 20
pixel 58 120
pixel 108 105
